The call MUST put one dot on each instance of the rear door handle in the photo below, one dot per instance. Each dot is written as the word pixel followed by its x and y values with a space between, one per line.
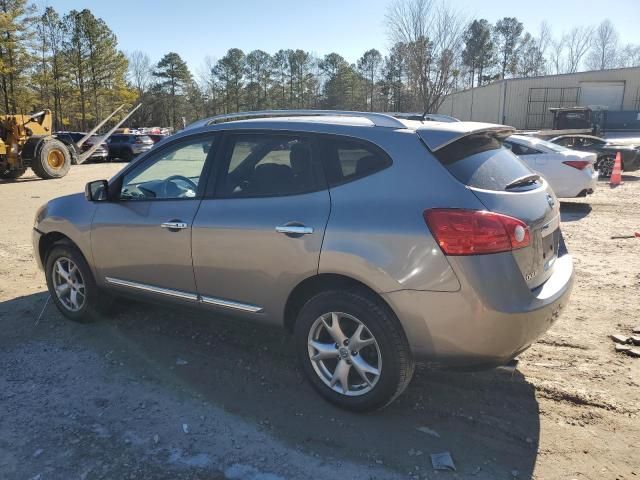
pixel 174 226
pixel 294 229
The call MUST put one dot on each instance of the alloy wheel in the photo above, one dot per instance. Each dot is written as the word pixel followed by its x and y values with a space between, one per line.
pixel 344 354
pixel 68 284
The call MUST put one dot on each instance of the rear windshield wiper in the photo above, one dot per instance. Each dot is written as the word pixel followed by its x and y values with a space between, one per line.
pixel 522 181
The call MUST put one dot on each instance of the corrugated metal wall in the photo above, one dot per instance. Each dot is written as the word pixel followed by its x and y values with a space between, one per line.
pixel 509 101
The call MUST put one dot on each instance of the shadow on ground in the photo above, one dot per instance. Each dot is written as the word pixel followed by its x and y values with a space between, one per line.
pixel 571 212
pixel 488 421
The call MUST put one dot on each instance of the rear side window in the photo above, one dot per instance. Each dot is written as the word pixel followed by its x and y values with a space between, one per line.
pixel 261 165
pixel 481 161
pixel 348 159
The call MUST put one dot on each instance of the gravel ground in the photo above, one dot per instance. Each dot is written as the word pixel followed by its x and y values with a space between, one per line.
pixel 158 393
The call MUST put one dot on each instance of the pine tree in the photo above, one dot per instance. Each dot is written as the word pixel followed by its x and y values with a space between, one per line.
pixel 173 80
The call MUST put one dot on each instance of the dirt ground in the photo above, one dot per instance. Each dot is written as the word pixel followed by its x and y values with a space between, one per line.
pixel 114 399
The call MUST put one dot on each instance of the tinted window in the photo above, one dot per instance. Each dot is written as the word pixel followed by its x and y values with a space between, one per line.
pixel 481 161
pixel 268 165
pixel 346 159
pixel 173 173
pixel 520 149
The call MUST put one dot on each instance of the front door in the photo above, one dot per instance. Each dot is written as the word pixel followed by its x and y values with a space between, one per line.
pixel 141 237
pixel 261 234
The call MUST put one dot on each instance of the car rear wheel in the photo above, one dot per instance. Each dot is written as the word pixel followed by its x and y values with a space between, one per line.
pixel 604 165
pixel 353 350
pixel 71 284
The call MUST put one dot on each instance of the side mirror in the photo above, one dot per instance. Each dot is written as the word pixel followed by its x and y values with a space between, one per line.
pixel 97 191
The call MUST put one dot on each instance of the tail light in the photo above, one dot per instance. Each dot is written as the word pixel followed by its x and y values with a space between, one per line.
pixel 579 164
pixel 476 232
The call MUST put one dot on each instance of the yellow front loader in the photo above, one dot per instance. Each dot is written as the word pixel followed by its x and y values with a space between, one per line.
pixel 27 141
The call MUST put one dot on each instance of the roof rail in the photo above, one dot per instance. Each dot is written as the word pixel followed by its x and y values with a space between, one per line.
pixel 378 119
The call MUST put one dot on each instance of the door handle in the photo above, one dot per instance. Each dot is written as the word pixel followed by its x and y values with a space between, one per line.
pixel 174 225
pixel 294 229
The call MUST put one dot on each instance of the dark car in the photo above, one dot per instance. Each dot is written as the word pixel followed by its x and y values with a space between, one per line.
pixel 71 138
pixel 128 145
pixel 605 149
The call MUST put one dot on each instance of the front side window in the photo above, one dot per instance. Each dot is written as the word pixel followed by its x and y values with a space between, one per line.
pixel 269 165
pixel 173 173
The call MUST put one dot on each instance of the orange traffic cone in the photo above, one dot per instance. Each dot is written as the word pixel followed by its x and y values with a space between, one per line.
pixel 616 174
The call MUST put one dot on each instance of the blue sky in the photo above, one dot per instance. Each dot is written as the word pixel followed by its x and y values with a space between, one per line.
pixel 197 28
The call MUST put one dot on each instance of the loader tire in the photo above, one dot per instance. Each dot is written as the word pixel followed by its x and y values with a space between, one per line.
pixel 53 160
pixel 12 174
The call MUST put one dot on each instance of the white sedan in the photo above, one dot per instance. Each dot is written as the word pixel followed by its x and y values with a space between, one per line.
pixel 569 172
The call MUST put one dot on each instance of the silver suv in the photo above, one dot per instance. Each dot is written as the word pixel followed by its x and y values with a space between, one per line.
pixel 375 241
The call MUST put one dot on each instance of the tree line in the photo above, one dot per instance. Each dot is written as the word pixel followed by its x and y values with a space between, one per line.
pixel 72 64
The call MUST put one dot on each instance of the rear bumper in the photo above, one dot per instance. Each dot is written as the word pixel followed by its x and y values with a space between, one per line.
pixel 486 326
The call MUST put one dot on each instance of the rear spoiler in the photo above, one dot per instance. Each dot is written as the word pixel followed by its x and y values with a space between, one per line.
pixel 438 136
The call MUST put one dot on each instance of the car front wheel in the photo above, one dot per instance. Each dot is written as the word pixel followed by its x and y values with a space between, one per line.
pixel 353 350
pixel 71 284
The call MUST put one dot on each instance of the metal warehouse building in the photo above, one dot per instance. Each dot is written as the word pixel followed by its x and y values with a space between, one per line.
pixel 524 102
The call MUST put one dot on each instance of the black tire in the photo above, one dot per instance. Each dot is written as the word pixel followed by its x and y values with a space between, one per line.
pixel 397 362
pixel 12 174
pixel 95 302
pixel 128 155
pixel 53 160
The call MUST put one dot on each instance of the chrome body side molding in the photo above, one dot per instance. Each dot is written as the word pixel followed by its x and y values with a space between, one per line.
pixel 243 307
pixel 219 302
pixel 150 288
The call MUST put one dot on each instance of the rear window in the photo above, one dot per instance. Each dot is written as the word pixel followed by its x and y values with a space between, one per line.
pixel 481 161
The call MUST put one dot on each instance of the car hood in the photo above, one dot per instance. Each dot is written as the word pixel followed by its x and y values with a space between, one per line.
pixel 617 146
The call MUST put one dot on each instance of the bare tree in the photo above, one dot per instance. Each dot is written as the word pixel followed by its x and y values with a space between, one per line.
pixel 629 56
pixel 431 32
pixel 557 54
pixel 604 47
pixel 578 42
pixel 140 71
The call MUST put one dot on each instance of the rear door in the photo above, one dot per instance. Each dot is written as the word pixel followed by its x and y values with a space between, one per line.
pixel 503 183
pixel 260 233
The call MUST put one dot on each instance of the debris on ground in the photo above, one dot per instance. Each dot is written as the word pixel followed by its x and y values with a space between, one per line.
pixel 634 352
pixel 180 361
pixel 185 428
pixel 442 461
pixel 428 431
pixel 636 329
pixel 635 339
pixel 620 338
pixel 623 348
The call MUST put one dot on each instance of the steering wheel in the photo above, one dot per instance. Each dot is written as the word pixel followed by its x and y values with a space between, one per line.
pixel 191 185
